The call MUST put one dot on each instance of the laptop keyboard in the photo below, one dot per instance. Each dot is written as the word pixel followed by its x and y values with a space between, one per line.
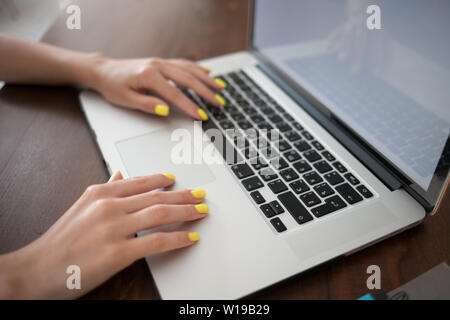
pixel 306 180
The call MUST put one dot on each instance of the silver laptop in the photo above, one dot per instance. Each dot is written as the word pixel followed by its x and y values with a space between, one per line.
pixel 334 136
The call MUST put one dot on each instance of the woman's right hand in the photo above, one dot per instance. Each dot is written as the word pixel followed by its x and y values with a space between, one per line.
pixel 97 234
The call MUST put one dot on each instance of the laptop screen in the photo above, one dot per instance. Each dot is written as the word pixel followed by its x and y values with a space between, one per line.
pixel 381 67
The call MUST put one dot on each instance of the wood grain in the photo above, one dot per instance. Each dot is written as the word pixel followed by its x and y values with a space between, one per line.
pixel 48 157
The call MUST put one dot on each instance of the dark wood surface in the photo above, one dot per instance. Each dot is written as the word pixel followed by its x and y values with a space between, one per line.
pixel 47 155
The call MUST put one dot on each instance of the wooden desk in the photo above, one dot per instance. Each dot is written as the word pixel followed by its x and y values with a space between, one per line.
pixel 47 155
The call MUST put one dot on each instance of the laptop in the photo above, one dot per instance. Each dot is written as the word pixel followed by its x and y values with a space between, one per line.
pixel 334 136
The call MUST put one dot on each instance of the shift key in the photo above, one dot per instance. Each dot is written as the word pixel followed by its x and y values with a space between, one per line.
pixel 295 207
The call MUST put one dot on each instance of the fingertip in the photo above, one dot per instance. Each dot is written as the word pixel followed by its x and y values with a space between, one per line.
pixel 162 110
pixel 117 175
pixel 169 176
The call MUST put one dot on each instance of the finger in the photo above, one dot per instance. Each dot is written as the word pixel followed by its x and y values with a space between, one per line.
pixel 138 185
pixel 160 242
pixel 141 201
pixel 199 72
pixel 176 97
pixel 188 80
pixel 148 104
pixel 116 176
pixel 162 214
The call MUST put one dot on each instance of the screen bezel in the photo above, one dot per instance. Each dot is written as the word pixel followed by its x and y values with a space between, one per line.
pixel 428 198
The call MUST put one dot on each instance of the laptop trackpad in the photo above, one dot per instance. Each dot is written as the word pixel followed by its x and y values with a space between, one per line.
pixel 155 152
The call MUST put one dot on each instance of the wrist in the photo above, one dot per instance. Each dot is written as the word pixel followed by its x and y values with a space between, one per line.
pixel 86 69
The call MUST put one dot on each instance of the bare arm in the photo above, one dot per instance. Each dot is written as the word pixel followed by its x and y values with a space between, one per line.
pixel 122 82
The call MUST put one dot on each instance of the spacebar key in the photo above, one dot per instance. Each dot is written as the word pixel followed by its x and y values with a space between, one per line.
pixel 295 207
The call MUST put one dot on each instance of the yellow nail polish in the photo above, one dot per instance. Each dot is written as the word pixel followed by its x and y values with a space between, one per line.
pixel 221 83
pixel 162 110
pixel 220 99
pixel 170 176
pixel 198 193
pixel 202 114
pixel 116 172
pixel 202 208
pixel 206 68
pixel 193 236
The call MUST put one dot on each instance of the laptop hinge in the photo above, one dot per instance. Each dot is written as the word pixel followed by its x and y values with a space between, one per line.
pixel 391 179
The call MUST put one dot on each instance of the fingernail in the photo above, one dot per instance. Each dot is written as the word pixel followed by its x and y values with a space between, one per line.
pixel 193 236
pixel 198 193
pixel 162 110
pixel 202 208
pixel 112 176
pixel 169 176
pixel 207 69
pixel 202 114
pixel 221 83
pixel 220 99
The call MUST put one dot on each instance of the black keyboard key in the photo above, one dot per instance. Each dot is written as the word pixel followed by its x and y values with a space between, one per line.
pixel 328 156
pixel 242 102
pixel 275 118
pixel 312 178
pixel 282 145
pixel 252 183
pixel 241 142
pixel 333 178
pixel 266 110
pixel 317 145
pixel 276 207
pixel 269 152
pixel 288 117
pixel 288 174
pixel 257 197
pixel 249 110
pixel 237 116
pixel 339 167
pixel 242 170
pixel 322 166
pixel 312 155
pixel 267 210
pixel 264 126
pixel 348 193
pixel 292 136
pixel 299 186
pixel 250 152
pixel 245 125
pixel 278 225
pixel 278 163
pixel 331 204
pixel 364 191
pixel 302 166
pixel 257 118
pixel 351 178
pixel 230 109
pixel 258 163
pixel 267 174
pixel 226 124
pixel 292 155
pixel 277 186
pixel 283 126
pixel 307 135
pixel 295 207
pixel 323 190
pixel 302 145
pixel 297 126
pixel 310 199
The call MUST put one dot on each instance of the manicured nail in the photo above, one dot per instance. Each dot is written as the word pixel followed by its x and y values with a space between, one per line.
pixel 170 176
pixel 202 208
pixel 220 99
pixel 112 176
pixel 221 83
pixel 202 114
pixel 207 69
pixel 198 193
pixel 162 110
pixel 193 236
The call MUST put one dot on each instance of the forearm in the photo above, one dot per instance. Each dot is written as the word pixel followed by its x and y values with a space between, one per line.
pixel 24 61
